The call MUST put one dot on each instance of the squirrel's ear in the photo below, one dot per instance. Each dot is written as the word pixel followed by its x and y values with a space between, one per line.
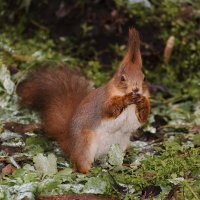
pixel 133 50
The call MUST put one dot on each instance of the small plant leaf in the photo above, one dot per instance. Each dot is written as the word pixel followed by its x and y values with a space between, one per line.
pixel 45 165
pixel 115 155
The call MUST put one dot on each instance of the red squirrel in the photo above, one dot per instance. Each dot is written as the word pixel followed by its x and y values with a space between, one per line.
pixel 86 122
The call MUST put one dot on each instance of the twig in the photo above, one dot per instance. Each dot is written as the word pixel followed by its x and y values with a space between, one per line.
pixel 191 190
pixel 18 159
pixel 39 25
pixel 168 49
pixel 172 192
pixel 176 125
pixel 25 58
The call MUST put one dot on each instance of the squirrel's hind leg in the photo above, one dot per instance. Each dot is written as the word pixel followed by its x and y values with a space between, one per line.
pixel 84 152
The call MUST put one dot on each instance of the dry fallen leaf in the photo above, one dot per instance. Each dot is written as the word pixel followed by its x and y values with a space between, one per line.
pixel 150 191
pixel 8 169
pixel 149 174
pixel 21 128
pixel 11 150
pixel 75 197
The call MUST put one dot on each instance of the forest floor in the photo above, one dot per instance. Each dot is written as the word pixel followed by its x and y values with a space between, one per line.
pixel 162 162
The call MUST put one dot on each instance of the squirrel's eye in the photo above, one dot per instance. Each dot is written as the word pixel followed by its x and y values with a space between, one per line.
pixel 123 78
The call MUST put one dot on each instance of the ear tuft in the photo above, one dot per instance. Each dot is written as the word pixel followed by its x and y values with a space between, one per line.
pixel 133 50
pixel 133 41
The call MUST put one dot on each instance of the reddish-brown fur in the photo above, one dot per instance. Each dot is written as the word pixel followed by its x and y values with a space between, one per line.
pixel 83 163
pixel 130 65
pixel 143 108
pixel 55 94
pixel 71 111
pixel 114 107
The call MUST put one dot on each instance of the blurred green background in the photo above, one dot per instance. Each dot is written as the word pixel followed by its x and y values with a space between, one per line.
pixel 92 36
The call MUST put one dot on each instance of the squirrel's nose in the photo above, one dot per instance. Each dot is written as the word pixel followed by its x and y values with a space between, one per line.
pixel 136 90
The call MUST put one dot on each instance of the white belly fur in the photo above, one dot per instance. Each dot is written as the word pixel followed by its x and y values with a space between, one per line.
pixel 116 131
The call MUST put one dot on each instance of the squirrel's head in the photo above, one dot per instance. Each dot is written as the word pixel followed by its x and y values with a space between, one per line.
pixel 129 77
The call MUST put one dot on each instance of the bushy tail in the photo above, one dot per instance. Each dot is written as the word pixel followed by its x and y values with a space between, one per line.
pixel 55 94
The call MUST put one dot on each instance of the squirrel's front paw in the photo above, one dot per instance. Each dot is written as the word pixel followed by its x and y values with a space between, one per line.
pixel 132 98
pixel 129 99
pixel 142 106
pixel 137 99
